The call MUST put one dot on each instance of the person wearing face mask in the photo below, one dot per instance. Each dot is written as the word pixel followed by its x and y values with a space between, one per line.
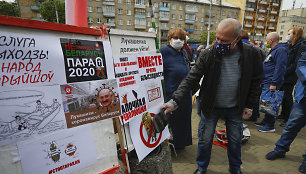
pixel 231 72
pixel 176 67
pixel 294 39
pixel 274 68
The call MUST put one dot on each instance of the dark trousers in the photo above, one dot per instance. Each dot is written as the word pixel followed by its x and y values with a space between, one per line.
pixel 287 101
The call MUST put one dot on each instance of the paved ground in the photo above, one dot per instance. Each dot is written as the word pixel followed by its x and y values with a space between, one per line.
pixel 253 153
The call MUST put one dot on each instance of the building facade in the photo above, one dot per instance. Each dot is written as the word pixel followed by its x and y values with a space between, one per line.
pixel 259 17
pixel 134 15
pixel 289 19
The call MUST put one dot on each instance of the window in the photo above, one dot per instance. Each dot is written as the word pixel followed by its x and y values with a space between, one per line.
pixel 140 21
pixel 128 12
pixel 194 36
pixel 149 24
pixel 173 16
pixel 181 7
pixel 139 2
pixel 202 19
pixel 99 9
pixel 281 33
pixel 107 9
pixel 119 1
pixel 164 34
pixel 108 20
pixel 164 14
pixel 156 15
pixel 120 11
pixel 181 17
pixel 173 7
pixel 89 8
pixel 120 22
pixel 156 5
pixel 164 4
pixel 201 28
pixel 90 20
pixel 195 27
pixel 190 16
pixel 128 22
pixel 99 20
pixel 128 1
pixel 140 12
pixel 148 14
pixel 223 13
pixel 179 25
pixel 172 25
pixel 203 10
pixel 282 26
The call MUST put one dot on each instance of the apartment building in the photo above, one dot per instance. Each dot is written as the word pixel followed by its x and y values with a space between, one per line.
pixel 29 9
pixel 291 18
pixel 191 15
pixel 259 17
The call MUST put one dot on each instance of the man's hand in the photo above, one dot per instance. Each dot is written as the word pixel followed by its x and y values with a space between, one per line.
pixel 247 113
pixel 272 88
pixel 169 106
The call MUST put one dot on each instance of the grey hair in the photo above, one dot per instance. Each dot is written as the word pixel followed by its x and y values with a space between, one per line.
pixel 274 36
pixel 231 22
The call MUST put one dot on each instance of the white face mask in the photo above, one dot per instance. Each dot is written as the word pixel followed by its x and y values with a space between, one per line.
pixel 288 38
pixel 177 43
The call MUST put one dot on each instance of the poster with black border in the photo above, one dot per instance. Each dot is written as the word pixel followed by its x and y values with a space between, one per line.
pixel 84 60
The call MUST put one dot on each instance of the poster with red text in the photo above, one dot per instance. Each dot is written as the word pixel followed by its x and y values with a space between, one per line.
pixel 64 151
pixel 87 60
pixel 150 67
pixel 28 60
pixel 87 102
pixel 144 138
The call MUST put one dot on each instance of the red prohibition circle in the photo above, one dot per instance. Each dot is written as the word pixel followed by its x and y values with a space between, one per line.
pixel 147 142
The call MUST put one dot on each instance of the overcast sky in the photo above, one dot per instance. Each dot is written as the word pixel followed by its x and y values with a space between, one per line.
pixel 287 4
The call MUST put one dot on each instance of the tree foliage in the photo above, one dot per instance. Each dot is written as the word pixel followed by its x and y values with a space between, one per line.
pixel 9 9
pixel 48 12
pixel 212 37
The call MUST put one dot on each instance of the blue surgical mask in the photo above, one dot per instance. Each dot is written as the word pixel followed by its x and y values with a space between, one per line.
pixel 223 48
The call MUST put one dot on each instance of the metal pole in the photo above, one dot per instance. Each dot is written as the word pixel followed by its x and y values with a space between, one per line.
pixel 209 20
pixel 56 13
pixel 154 24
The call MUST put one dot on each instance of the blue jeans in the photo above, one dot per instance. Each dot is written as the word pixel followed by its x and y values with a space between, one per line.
pixel 296 122
pixel 234 130
pixel 202 120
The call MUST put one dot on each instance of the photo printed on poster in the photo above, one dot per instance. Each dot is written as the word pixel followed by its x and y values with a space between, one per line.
pixel 87 102
pixel 84 60
pixel 30 111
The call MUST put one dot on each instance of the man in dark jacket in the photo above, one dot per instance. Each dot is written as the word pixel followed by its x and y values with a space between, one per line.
pixel 231 84
pixel 274 68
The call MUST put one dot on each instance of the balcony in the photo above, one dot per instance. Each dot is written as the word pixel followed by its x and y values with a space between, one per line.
pixel 191 10
pixel 110 24
pixel 275 4
pixel 142 6
pixel 262 11
pixel 140 16
pixel 211 23
pixel 261 19
pixel 188 21
pixel 164 9
pixel 164 19
pixel 248 26
pixel 271 28
pixel 109 14
pixel 273 12
pixel 263 2
pixel 272 20
pixel 35 8
pixel 112 3
pixel 248 17
pixel 137 26
pixel 249 9
pixel 260 27
pixel 164 28
pixel 258 34
pixel 189 30
pixel 251 1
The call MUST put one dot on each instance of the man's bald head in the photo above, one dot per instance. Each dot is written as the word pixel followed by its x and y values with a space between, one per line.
pixel 274 36
pixel 231 23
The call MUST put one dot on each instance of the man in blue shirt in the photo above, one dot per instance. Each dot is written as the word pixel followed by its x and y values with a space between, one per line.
pixel 274 68
pixel 297 118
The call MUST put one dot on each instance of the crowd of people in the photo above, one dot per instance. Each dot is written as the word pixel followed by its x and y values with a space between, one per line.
pixel 230 75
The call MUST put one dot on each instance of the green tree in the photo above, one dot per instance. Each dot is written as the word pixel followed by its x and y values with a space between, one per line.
pixel 212 37
pixel 9 9
pixel 48 9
